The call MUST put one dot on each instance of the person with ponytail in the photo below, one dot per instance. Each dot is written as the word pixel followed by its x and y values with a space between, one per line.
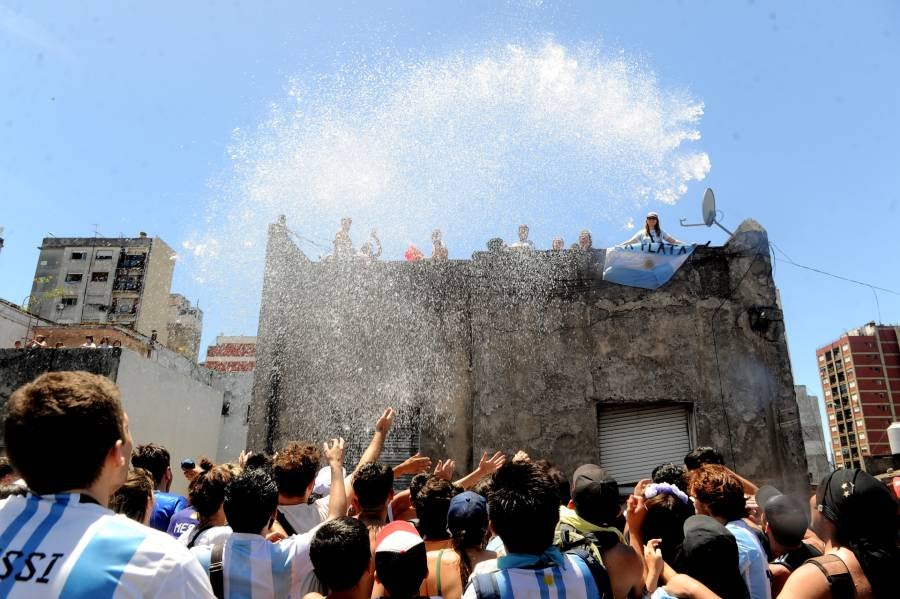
pixel 856 515
pixel 449 569
pixel 207 494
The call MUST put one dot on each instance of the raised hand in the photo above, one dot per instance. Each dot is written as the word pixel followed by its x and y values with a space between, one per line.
pixel 383 425
pixel 445 469
pixel 243 457
pixel 489 465
pixel 413 465
pixel 334 452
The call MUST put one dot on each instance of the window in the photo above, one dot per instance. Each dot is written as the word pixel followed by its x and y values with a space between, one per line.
pixel 852 383
pixel 78 255
pixel 831 416
pixel 859 423
pixel 99 277
pixel 834 429
pixel 862 435
pixel 73 277
pixel 847 359
pixel 103 255
pixel 68 301
pixel 821 358
pixel 845 347
pixel 854 397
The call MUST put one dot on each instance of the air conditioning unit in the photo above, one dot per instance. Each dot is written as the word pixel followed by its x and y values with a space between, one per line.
pixel 60 306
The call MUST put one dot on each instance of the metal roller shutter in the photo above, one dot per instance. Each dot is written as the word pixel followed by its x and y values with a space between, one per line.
pixel 634 439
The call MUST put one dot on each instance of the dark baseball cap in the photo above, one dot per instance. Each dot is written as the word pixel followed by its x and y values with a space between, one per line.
pixel 468 511
pixel 595 494
pixel 188 464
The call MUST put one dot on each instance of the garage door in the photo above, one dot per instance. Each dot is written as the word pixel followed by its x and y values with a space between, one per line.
pixel 634 439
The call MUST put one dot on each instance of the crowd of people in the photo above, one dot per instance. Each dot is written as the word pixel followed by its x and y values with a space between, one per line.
pixel 86 514
pixel 41 341
pixel 651 232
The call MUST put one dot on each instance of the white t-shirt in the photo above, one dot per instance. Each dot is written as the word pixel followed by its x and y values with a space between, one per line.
pixel 210 536
pixel 255 568
pixel 642 237
pixel 522 245
pixel 306 516
pixel 66 546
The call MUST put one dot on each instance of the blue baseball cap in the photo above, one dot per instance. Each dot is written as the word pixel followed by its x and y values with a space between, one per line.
pixel 467 511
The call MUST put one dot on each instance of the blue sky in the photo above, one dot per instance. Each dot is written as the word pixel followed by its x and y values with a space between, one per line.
pixel 123 116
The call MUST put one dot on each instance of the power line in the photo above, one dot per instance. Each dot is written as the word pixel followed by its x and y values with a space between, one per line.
pixel 829 274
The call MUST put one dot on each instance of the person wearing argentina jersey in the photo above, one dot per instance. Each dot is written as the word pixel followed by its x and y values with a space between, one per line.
pixel 247 565
pixel 523 509
pixel 68 436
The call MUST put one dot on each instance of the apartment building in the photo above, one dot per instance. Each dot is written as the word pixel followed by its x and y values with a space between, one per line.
pixel 860 375
pixel 232 354
pixel 184 327
pixel 118 280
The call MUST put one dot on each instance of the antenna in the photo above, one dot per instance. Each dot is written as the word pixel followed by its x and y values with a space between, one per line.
pixel 709 213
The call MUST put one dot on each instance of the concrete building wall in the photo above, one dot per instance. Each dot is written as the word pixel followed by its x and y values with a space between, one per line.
pixel 16 324
pixel 813 437
pixel 237 389
pixel 519 350
pixel 171 409
pixel 153 313
pixel 184 327
pixel 167 403
pixel 232 354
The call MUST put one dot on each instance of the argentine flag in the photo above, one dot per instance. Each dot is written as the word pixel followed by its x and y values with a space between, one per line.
pixel 646 265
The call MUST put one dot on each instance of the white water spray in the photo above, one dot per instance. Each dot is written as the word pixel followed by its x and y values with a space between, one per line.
pixel 473 145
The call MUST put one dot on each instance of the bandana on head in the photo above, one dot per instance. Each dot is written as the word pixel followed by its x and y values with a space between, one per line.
pixel 666 488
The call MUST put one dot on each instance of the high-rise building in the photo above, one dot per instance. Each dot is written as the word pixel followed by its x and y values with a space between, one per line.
pixel 117 280
pixel 184 327
pixel 860 374
pixel 232 354
pixel 817 462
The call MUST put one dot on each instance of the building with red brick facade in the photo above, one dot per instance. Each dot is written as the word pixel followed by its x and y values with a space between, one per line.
pixel 232 354
pixel 860 374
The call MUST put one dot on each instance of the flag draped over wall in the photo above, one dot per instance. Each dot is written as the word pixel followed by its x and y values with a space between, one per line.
pixel 647 265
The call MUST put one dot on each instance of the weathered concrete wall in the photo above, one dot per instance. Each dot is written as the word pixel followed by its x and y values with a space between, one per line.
pixel 164 405
pixel 516 350
pixel 20 366
pixel 237 388
pixel 813 436
pixel 171 409
pixel 16 325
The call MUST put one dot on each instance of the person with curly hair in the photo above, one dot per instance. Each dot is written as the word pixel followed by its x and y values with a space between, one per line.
pixel 718 493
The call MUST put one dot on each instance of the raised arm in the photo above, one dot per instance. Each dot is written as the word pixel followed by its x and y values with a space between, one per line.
pixel 373 451
pixel 486 466
pixel 669 239
pixel 337 498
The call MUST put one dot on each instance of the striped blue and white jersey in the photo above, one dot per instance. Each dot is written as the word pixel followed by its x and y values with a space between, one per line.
pixel 253 568
pixel 63 546
pixel 572 582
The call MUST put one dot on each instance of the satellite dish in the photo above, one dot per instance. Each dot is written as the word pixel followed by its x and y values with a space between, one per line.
pixel 709 207
pixel 709 213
